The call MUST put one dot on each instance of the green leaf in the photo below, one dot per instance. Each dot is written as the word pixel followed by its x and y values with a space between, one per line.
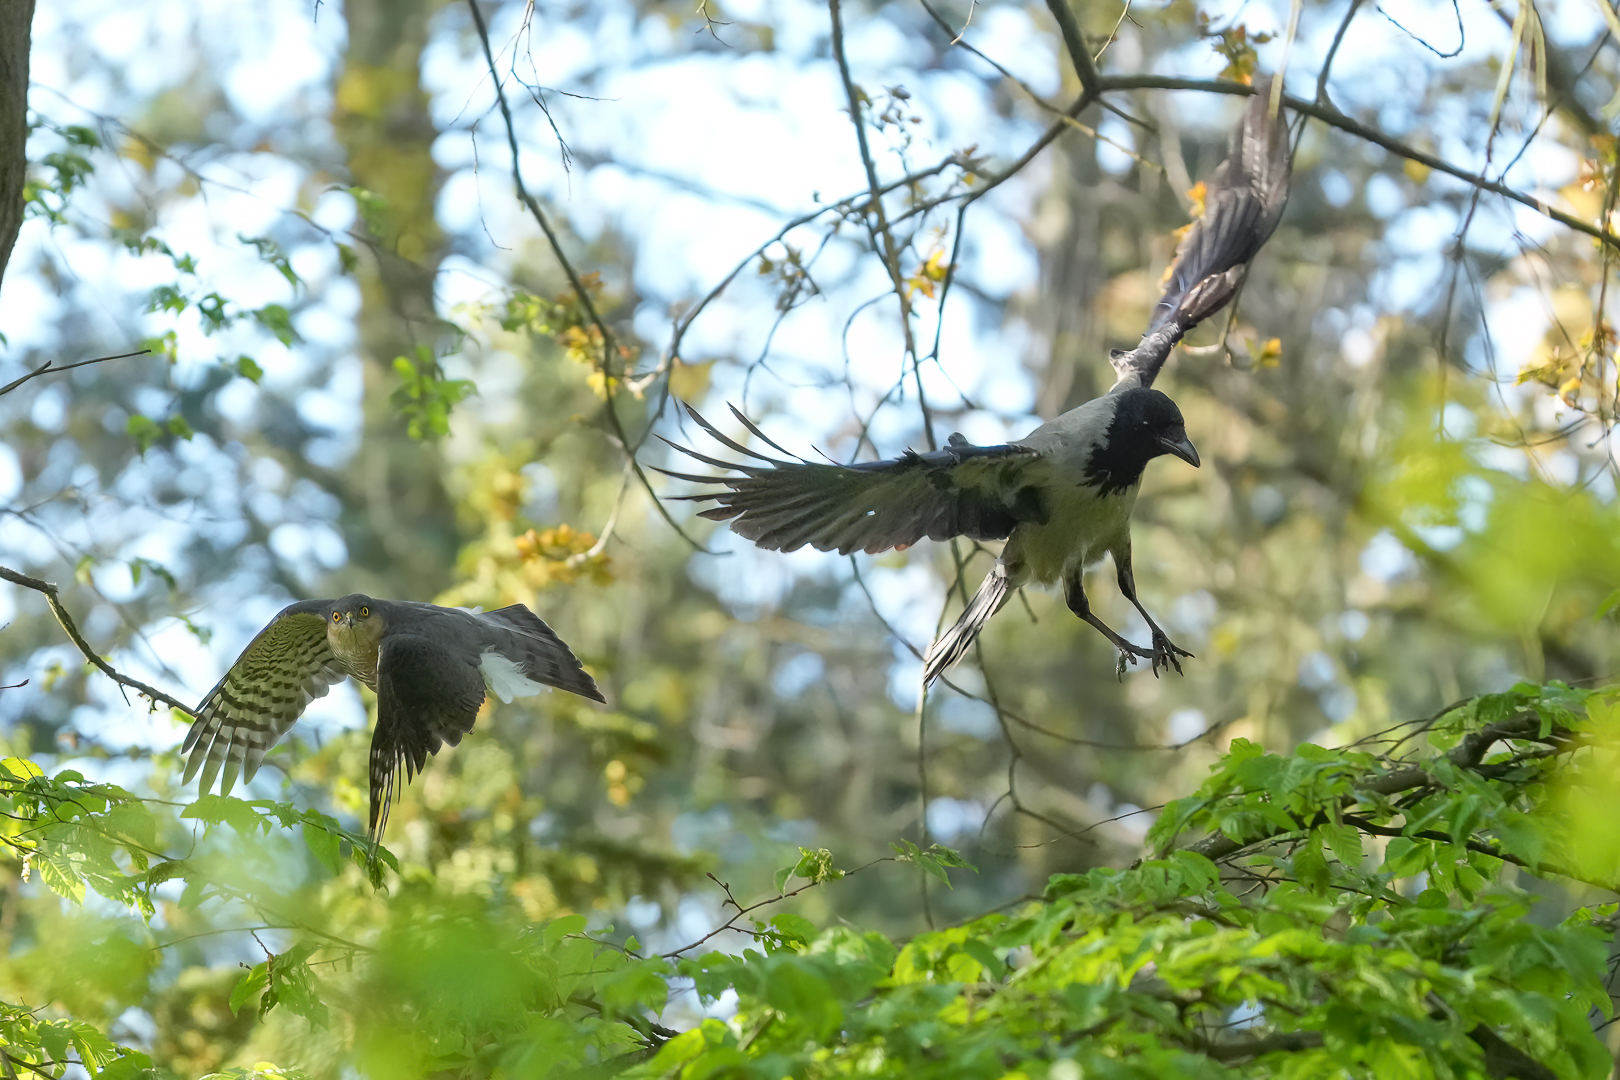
pixel 166 298
pixel 222 809
pixel 61 874
pixel 271 252
pixel 324 845
pixel 250 986
pixel 144 431
pixel 215 312
pixel 249 368
pixel 793 930
pixel 1345 840
pixel 277 320
pixel 817 865
pixel 424 397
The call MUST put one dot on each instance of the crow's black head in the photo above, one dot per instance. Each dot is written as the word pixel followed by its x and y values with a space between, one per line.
pixel 1145 424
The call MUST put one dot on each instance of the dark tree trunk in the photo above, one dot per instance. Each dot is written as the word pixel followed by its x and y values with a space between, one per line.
pixel 16 21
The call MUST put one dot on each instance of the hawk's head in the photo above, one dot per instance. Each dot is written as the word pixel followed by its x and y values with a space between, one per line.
pixel 354 623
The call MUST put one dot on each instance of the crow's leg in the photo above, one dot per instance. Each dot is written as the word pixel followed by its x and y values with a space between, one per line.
pixel 1075 594
pixel 1165 651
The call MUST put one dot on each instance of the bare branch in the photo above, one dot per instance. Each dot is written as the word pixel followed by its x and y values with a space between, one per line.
pixel 1075 44
pixel 1332 117
pixel 71 629
pixel 878 223
pixel 50 366
pixel 609 347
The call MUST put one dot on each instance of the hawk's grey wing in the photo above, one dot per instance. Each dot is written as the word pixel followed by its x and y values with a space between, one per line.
pixel 282 670
pixel 523 638
pixel 981 492
pixel 428 694
pixel 1243 202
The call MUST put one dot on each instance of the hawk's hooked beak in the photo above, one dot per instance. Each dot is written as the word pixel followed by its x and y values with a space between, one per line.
pixel 1182 448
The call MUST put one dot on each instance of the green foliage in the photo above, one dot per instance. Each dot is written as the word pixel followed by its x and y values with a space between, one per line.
pixel 49 1047
pixel 1333 962
pixel 58 173
pixel 148 432
pixel 1335 911
pixel 425 397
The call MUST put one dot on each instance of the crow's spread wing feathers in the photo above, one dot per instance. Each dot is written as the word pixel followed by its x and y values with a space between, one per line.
pixel 980 492
pixel 1243 202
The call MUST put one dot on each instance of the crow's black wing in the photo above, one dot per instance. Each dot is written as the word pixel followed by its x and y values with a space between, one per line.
pixel 1243 202
pixel 981 492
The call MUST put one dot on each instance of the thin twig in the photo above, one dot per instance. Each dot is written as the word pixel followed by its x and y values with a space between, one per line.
pixel 878 224
pixel 51 366
pixel 609 347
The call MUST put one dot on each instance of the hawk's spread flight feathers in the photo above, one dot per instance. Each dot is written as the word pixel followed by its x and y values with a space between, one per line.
pixel 429 666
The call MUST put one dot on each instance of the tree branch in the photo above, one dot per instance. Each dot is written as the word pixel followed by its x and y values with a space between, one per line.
pixel 50 366
pixel 609 348
pixel 1332 117
pixel 1075 44
pixel 50 592
pixel 878 225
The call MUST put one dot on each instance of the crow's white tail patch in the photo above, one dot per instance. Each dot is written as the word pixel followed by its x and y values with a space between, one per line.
pixel 505 678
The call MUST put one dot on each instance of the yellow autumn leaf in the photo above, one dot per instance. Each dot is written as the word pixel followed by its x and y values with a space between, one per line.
pixel 690 382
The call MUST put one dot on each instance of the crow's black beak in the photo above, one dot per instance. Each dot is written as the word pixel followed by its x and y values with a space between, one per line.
pixel 1182 448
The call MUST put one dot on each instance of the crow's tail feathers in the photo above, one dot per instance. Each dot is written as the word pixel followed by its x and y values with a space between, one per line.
pixel 948 648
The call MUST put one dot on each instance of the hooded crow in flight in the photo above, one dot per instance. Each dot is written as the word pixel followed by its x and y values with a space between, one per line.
pixel 1061 496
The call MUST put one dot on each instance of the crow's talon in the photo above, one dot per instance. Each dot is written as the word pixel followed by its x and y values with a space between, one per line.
pixel 1167 653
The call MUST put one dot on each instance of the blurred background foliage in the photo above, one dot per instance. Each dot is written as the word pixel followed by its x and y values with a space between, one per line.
pixel 370 372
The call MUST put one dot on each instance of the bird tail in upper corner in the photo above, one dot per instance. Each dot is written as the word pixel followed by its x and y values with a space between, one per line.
pixel 948 648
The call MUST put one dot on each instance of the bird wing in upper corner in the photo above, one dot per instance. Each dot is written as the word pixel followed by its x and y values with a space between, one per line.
pixel 981 492
pixel 283 669
pixel 1243 202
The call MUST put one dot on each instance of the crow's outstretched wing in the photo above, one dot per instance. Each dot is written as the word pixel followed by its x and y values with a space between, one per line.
pixel 980 492
pixel 1243 201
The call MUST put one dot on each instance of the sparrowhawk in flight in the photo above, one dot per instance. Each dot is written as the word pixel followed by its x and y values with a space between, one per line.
pixel 428 666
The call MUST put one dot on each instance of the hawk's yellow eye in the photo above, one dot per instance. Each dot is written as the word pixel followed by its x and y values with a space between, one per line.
pixel 337 616
pixel 365 612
